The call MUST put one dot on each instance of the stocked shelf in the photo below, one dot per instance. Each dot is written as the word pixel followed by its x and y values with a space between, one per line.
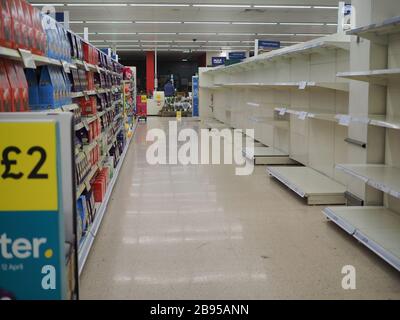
pixel 266 156
pixel 382 177
pixel 378 228
pixel 310 184
pixel 87 241
pixel 380 77
pixel 378 31
pixel 38 60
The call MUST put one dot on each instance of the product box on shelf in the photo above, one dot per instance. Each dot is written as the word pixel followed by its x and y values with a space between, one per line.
pixel 99 188
pixel 22 86
pixel 33 87
pixel 82 215
pixel 88 107
pixel 6 25
pixel 17 103
pixel 5 90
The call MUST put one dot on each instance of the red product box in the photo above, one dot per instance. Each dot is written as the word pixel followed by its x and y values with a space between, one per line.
pixel 23 86
pixel 6 26
pixel 5 90
pixel 16 101
pixel 99 190
pixel 88 107
pixel 24 24
pixel 16 25
pixel 29 25
pixel 86 49
pixel 90 80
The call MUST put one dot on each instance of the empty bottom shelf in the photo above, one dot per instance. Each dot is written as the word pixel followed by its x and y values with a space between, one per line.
pixel 266 155
pixel 378 228
pixel 317 188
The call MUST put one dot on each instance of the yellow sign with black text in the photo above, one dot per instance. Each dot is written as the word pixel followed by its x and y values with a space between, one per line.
pixel 28 166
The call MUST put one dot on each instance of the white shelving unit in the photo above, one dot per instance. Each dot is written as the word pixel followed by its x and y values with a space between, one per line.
pixel 378 228
pixel 310 184
pixel 302 81
pixel 266 156
pixel 374 118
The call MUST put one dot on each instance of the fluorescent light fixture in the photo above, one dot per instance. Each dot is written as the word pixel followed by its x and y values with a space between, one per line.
pixel 128 46
pixel 76 22
pixel 197 34
pixel 301 23
pixel 255 23
pixel 157 33
pixel 115 33
pixel 115 41
pixel 326 7
pixel 221 6
pixel 332 24
pixel 158 22
pixel 48 4
pixel 108 22
pixel 96 4
pixel 158 5
pixel 312 34
pixel 156 41
pixel 97 41
pixel 282 7
pixel 277 34
pixel 207 22
pixel 230 41
pixel 237 34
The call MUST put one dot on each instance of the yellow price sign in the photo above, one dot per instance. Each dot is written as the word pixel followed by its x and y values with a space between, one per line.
pixel 28 166
pixel 179 115
pixel 144 99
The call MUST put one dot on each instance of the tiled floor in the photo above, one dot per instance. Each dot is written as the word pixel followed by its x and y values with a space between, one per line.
pixel 201 232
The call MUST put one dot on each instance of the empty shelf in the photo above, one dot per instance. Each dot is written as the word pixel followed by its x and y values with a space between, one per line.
pixel 380 77
pixel 267 156
pixel 310 184
pixel 382 177
pixel 313 114
pixel 302 85
pixel 377 228
pixel 385 121
pixel 375 32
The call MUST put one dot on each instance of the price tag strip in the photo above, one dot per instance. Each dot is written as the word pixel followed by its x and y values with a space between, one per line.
pixel 32 260
pixel 66 66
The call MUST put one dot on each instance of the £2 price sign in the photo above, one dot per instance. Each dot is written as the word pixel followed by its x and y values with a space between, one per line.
pixel 31 226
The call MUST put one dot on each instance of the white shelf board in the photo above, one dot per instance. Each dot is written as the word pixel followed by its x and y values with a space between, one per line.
pixel 380 77
pixel 320 45
pixel 266 156
pixel 302 85
pixel 309 114
pixel 382 177
pixel 377 31
pixel 384 121
pixel 310 184
pixel 378 228
pixel 283 124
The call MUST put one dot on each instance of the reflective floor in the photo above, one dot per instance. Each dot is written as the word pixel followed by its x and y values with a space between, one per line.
pixel 201 232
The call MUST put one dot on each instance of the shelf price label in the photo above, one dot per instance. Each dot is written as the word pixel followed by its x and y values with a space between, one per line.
pixel 302 115
pixel 66 66
pixel 28 167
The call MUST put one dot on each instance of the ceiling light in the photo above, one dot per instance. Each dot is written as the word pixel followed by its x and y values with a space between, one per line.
pixel 115 33
pixel 96 4
pixel 158 5
pixel 325 7
pixel 108 22
pixel 197 33
pixel 256 23
pixel 237 34
pixel 312 34
pixel 301 24
pixel 282 7
pixel 221 6
pixel 157 33
pixel 48 4
pixel 159 22
pixel 206 22
pixel 277 34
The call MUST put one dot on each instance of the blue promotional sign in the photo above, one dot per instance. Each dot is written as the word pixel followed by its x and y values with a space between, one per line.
pixel 237 55
pixel 218 61
pixel 32 258
pixel 266 44
pixel 195 91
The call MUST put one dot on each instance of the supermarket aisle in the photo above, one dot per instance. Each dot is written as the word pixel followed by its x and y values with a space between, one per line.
pixel 200 232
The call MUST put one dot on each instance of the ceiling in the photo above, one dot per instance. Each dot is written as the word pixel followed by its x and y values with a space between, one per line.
pixel 215 25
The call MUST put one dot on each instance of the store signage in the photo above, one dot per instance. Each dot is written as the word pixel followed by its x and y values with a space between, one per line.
pixel 32 262
pixel 268 45
pixel 237 55
pixel 195 84
pixel 218 61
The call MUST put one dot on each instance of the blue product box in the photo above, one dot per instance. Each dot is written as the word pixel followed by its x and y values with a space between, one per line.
pixel 48 89
pixel 33 87
pixel 82 214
